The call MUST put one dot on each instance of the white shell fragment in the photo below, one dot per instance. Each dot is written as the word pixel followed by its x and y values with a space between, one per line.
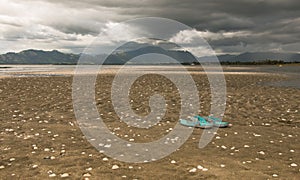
pixel 115 167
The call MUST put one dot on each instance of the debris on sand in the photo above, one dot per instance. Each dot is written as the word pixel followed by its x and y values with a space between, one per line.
pixel 204 169
pixel 87 175
pixel 261 152
pixel 199 167
pixel 52 175
pixel 192 170
pixel 115 167
pixel 89 169
pixel 294 165
pixel 64 175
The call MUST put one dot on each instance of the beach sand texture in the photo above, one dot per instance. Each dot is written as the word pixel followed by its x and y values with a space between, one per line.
pixel 40 138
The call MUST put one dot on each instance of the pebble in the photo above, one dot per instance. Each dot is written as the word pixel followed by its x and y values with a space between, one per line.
pixel 204 169
pixel 199 167
pixel 223 147
pixel 115 167
pixel 292 150
pixel 105 159
pixel 107 145
pixel 52 175
pixel 294 165
pixel 246 146
pixel 256 135
pixel 34 166
pixel 173 162
pixel 130 167
pixel 87 175
pixel 261 152
pixel 275 175
pixel 89 169
pixel 64 175
pixel 193 170
pixel 222 165
pixel 2 167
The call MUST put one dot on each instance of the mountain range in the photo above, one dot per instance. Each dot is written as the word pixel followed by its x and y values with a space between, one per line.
pixel 32 56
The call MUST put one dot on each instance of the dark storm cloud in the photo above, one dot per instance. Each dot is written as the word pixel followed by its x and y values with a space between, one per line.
pixel 270 24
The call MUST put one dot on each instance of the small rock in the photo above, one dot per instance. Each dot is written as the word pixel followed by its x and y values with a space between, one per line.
pixel 256 135
pixel 294 165
pixel 34 166
pixel 275 175
pixel 173 162
pixel 261 152
pixel 2 167
pixel 105 159
pixel 87 175
pixel 204 169
pixel 193 170
pixel 292 150
pixel 89 169
pixel 64 175
pixel 222 165
pixel 199 167
pixel 115 167
pixel 223 147
pixel 52 175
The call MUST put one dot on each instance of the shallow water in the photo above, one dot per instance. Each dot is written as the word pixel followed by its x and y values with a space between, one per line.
pixel 292 71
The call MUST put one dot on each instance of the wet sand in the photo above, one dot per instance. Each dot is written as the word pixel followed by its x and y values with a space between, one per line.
pixel 40 138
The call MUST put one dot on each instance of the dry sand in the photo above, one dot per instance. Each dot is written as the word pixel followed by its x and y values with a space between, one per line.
pixel 39 136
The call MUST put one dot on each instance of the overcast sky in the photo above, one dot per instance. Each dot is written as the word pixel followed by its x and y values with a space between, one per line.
pixel 230 26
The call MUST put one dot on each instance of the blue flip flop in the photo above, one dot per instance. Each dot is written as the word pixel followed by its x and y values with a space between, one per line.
pixel 217 122
pixel 196 121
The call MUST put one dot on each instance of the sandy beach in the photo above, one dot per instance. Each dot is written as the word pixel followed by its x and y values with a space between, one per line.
pixel 40 138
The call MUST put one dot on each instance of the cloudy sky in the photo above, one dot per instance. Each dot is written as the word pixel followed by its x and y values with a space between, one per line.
pixel 230 26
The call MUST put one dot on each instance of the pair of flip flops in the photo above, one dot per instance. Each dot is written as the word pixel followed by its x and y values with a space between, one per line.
pixel 204 122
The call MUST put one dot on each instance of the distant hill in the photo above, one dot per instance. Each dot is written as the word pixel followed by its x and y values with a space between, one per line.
pixel 261 56
pixel 119 57
pixel 32 56
pixel 122 55
pixel 256 57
